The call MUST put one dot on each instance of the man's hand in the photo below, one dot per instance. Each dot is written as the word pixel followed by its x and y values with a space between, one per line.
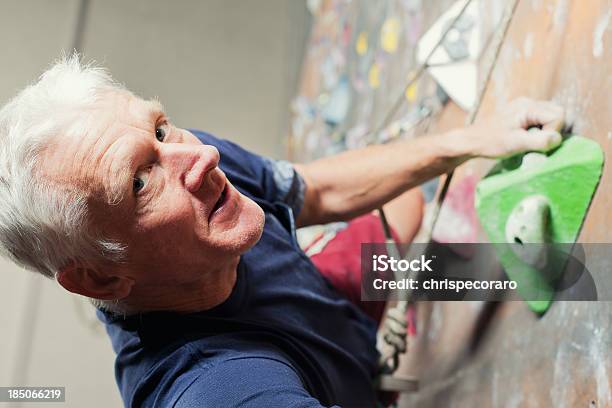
pixel 355 182
pixel 506 133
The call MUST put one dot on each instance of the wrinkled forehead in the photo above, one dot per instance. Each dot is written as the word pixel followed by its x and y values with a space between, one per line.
pixel 123 106
pixel 124 116
pixel 79 156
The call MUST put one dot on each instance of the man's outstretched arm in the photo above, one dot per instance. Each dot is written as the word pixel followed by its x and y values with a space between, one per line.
pixel 355 182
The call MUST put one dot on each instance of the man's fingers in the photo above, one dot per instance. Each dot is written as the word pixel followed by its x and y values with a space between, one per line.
pixel 539 140
pixel 557 120
pixel 544 114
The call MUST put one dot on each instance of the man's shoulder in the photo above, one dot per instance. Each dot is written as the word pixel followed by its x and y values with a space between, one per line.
pixel 247 380
pixel 203 373
pixel 224 353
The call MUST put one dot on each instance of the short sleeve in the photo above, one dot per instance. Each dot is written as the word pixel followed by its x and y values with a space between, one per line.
pixel 248 382
pixel 290 186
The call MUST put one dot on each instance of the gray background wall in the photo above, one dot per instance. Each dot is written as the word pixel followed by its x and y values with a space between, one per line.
pixel 228 67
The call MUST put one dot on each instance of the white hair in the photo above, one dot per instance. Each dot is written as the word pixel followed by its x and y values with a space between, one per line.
pixel 44 224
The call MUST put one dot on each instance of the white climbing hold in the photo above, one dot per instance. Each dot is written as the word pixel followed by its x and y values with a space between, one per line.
pixel 527 230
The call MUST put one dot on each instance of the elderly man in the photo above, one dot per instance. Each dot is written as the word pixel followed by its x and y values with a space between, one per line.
pixel 186 243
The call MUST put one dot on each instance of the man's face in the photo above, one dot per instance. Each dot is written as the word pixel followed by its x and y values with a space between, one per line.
pixel 179 216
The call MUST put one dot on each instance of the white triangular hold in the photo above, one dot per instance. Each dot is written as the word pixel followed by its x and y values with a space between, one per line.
pixel 454 63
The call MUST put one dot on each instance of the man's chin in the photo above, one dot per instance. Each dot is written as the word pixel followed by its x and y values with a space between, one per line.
pixel 253 220
pixel 248 228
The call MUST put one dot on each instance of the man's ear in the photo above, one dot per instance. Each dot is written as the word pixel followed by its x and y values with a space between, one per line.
pixel 93 283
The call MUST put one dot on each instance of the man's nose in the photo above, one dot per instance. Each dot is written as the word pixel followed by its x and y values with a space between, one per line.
pixel 190 163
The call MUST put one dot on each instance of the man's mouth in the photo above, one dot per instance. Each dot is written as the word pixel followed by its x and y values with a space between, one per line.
pixel 221 201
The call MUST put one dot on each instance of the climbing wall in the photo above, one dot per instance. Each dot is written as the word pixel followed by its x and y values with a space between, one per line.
pixel 470 354
pixel 502 354
pixel 360 55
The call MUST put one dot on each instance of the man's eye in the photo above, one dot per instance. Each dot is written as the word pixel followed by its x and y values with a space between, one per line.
pixel 140 180
pixel 160 133
pixel 138 184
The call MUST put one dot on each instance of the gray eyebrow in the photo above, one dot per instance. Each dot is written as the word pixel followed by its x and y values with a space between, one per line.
pixel 120 175
pixel 116 193
pixel 155 108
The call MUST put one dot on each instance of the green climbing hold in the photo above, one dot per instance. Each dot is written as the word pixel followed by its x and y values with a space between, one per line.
pixel 526 199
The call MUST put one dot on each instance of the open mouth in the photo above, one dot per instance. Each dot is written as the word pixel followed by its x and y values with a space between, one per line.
pixel 221 201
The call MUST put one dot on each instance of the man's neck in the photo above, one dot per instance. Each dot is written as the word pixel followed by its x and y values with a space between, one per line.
pixel 211 290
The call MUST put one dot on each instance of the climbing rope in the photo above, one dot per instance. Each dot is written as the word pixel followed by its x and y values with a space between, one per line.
pixel 497 43
pixel 396 316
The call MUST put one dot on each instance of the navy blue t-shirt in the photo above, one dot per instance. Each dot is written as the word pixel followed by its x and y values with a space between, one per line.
pixel 284 337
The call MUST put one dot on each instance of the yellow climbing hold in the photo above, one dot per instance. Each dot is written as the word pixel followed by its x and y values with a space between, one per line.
pixel 389 35
pixel 374 76
pixel 411 92
pixel 361 46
